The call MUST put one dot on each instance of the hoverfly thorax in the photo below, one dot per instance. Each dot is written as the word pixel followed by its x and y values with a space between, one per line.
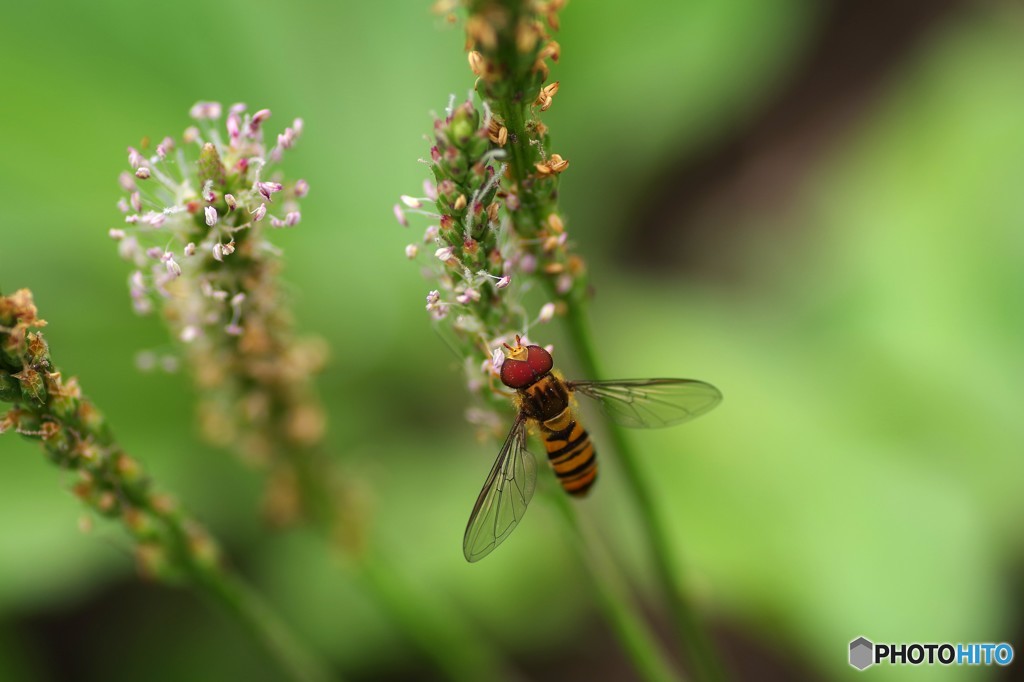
pixel 525 365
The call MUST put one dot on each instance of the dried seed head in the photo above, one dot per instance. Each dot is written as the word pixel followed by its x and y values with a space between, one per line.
pixel 492 211
pixel 528 32
pixel 479 32
pixel 546 96
pixel 477 63
pixel 496 132
pixel 554 268
pixel 553 166
pixel 476 180
pixel 550 51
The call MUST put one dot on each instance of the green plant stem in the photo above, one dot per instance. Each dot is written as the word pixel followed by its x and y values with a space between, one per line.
pixel 693 637
pixel 263 623
pixel 237 597
pixel 632 631
pixel 431 625
pixel 459 652
pixel 694 641
pixel 511 82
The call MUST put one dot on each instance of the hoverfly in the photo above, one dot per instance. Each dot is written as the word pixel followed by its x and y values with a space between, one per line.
pixel 545 400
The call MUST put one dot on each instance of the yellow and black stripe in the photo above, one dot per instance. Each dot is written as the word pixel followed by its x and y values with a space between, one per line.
pixel 569 448
pixel 571 453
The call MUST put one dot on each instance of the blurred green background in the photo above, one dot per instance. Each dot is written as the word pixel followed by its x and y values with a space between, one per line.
pixel 817 206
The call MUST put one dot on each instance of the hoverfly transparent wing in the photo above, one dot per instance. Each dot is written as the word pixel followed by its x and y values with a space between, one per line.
pixel 650 403
pixel 504 497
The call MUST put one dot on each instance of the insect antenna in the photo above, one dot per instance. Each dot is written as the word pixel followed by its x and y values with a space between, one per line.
pixel 518 343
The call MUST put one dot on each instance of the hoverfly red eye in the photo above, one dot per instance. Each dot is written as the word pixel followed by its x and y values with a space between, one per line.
pixel 516 373
pixel 539 359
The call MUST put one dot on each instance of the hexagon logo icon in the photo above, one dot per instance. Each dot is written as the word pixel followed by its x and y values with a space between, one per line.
pixel 862 653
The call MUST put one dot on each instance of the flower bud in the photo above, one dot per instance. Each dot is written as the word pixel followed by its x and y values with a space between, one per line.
pixel 211 168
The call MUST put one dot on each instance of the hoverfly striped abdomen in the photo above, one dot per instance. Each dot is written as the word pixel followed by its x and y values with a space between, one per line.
pixel 572 456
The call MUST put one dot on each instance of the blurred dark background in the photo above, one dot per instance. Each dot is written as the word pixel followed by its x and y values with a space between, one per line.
pixel 814 205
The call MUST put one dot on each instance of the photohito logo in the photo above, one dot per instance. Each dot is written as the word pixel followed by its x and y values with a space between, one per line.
pixel 864 653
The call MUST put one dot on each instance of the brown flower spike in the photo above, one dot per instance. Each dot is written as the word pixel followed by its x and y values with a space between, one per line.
pixel 75 436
